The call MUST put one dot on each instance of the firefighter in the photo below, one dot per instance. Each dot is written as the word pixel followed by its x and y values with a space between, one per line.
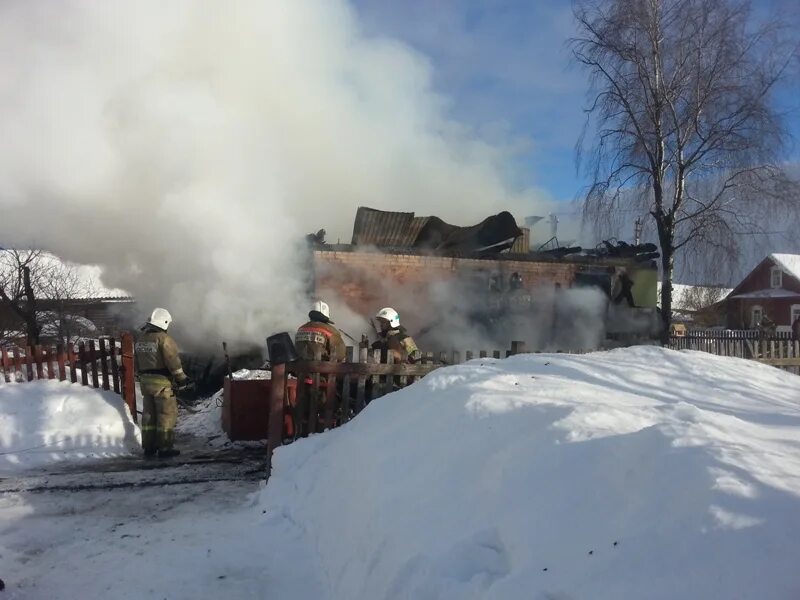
pixel 317 339
pixel 158 364
pixel 625 290
pixel 393 337
pixel 319 334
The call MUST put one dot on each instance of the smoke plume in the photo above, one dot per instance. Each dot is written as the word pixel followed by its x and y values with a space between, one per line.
pixel 187 146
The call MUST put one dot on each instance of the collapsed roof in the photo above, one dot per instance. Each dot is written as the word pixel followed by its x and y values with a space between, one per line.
pixel 388 229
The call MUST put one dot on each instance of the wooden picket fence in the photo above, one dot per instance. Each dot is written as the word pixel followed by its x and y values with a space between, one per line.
pixel 347 387
pixel 778 350
pixel 107 364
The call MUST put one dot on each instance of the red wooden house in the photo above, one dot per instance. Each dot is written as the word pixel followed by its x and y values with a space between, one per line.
pixel 771 289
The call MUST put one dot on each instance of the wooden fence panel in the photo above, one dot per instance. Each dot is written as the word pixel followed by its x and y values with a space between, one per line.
pixel 330 401
pixel 62 367
pixel 375 380
pixel 82 360
pixel 29 362
pixel 276 400
pixel 313 405
pixel 104 363
pixel 346 401
pixel 47 358
pixel 361 389
pixel 778 350
pixel 6 365
pixel 388 380
pixel 17 361
pixel 37 357
pixel 128 375
pixel 300 415
pixel 93 359
pixel 114 365
pixel 72 359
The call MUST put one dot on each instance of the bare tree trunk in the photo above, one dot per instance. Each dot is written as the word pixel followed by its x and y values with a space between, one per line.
pixel 668 269
pixel 31 326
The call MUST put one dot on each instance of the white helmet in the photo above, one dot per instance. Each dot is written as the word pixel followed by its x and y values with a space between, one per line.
pixel 390 315
pixel 321 307
pixel 160 318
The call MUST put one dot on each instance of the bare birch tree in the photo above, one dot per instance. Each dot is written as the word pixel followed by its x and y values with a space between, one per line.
pixel 681 121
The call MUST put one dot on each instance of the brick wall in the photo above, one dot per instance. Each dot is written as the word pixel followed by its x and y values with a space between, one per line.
pixel 367 281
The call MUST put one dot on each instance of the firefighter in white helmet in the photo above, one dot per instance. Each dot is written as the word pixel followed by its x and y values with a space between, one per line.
pixel 158 364
pixel 393 337
pixel 320 335
pixel 317 340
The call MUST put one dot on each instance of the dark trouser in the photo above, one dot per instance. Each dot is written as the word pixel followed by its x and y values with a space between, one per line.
pixel 159 413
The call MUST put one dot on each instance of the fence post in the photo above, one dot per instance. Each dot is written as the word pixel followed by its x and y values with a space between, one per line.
pixel 93 359
pixel 6 365
pixel 346 387
pixel 73 361
pixel 83 361
pixel 17 362
pixel 114 365
pixel 128 375
pixel 29 362
pixel 275 428
pixel 517 348
pixel 361 392
pixel 104 363
pixel 62 368
pixel 48 356
pixel 37 355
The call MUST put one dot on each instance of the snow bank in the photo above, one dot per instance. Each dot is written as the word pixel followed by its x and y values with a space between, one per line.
pixel 636 473
pixel 46 421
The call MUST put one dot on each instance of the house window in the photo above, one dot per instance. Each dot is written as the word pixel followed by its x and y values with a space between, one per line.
pixel 776 279
pixel 795 313
pixel 756 314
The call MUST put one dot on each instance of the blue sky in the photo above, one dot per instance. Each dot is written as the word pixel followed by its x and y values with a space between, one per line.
pixel 505 68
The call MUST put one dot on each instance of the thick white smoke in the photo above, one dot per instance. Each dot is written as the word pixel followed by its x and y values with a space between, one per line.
pixel 186 146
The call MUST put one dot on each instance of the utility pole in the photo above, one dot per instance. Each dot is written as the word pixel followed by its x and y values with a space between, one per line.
pixel 637 231
pixel 553 225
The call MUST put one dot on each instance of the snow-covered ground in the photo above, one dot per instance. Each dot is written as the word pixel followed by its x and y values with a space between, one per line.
pixel 630 474
pixel 48 421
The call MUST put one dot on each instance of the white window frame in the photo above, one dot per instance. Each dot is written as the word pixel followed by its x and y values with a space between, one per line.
pixel 753 309
pixel 794 312
pixel 772 279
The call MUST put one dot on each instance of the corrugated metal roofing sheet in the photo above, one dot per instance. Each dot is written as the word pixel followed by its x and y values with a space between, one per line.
pixel 384 228
pixel 388 229
pixel 522 245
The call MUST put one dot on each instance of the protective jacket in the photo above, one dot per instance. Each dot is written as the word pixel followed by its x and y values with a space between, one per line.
pixel 399 343
pixel 157 354
pixel 318 335
pixel 157 361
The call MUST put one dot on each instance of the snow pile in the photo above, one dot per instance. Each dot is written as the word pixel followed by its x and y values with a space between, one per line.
pixel 251 374
pixel 635 473
pixel 204 421
pixel 46 421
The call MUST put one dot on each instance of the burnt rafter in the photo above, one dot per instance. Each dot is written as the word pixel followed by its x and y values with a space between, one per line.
pixel 387 229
